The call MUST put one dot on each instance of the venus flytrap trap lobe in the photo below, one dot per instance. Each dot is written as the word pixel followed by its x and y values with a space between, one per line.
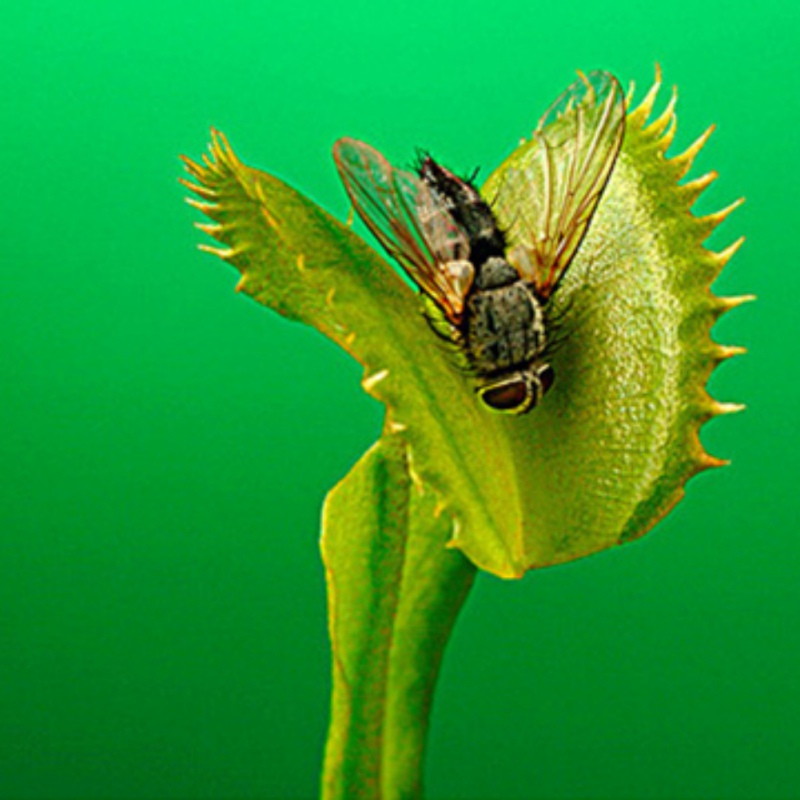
pixel 597 463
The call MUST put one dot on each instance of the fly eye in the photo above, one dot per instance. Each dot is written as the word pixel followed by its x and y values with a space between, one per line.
pixel 546 377
pixel 511 396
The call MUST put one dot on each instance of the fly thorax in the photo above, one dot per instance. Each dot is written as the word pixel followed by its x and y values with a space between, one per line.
pixel 494 273
pixel 504 327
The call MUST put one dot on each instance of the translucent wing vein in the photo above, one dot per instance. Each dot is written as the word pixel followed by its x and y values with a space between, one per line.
pixel 560 179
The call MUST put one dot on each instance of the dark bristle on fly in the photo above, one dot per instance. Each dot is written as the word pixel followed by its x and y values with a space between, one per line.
pixel 472 177
pixel 448 341
pixel 560 323
pixel 420 157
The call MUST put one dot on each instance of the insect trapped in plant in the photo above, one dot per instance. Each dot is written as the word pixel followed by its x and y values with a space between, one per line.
pixel 490 268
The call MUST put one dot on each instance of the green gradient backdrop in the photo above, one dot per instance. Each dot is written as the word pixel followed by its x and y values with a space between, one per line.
pixel 166 443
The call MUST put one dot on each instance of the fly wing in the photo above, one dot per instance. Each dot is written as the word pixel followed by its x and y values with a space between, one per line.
pixel 411 224
pixel 547 200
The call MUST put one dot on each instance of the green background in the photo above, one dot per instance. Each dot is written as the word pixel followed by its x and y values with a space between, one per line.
pixel 167 444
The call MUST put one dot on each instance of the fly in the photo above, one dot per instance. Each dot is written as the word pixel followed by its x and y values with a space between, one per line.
pixel 490 270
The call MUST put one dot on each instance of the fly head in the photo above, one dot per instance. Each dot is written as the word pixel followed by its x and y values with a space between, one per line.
pixel 518 392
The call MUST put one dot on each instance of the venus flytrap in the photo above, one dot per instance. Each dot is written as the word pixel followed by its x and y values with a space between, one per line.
pixel 449 486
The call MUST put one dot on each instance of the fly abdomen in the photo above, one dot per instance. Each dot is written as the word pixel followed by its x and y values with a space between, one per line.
pixel 469 210
pixel 503 328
